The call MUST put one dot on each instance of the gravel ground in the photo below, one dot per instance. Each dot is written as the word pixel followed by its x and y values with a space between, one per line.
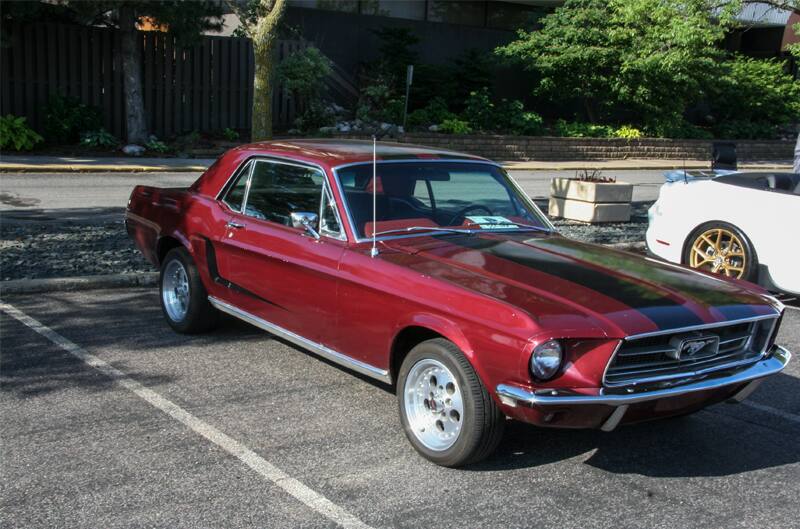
pixel 33 251
pixel 64 249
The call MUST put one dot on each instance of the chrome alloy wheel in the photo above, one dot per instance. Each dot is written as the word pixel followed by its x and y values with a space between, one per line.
pixel 433 404
pixel 175 290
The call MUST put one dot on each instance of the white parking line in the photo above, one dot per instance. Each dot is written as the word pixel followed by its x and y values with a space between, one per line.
pixel 267 470
pixel 775 411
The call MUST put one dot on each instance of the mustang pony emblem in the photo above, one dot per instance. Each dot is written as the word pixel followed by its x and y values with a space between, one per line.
pixel 693 347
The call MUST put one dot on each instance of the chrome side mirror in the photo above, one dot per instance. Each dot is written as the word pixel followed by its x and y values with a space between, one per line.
pixel 306 221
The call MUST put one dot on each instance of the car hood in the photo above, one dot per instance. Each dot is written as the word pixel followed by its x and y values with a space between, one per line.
pixel 560 281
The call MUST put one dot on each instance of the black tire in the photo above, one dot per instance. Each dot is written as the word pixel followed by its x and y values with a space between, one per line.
pixel 200 315
pixel 750 272
pixel 482 424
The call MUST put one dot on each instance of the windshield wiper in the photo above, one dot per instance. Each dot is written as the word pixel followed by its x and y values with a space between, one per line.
pixel 425 228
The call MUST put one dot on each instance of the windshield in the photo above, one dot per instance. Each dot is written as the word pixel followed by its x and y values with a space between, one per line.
pixel 435 195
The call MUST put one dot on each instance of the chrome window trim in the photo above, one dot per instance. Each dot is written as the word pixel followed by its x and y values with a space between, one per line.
pixel 334 356
pixel 517 188
pixel 679 330
pixel 282 161
pixel 231 183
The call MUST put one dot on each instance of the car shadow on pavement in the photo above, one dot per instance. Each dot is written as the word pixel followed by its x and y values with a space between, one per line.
pixel 719 441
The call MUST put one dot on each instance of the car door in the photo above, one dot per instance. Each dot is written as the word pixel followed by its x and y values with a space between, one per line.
pixel 275 271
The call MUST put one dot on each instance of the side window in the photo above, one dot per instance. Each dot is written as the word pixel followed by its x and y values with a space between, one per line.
pixel 235 195
pixel 329 217
pixel 277 190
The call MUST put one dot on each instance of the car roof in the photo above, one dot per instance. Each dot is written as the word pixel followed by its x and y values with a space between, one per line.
pixel 335 152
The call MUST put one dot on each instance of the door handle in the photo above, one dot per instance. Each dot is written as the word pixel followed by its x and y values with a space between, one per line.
pixel 234 225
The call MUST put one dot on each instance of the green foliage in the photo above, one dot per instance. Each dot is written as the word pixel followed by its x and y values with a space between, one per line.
pixel 577 129
pixel 230 134
pixel 303 73
pixel 455 126
pixel 378 102
pixel 15 133
pixel 66 118
pixel 156 145
pixel 677 128
pixel 648 59
pixel 315 116
pixel 512 117
pixel 628 132
pixel 752 98
pixel 435 112
pixel 99 138
pixel 396 52
pixel 479 110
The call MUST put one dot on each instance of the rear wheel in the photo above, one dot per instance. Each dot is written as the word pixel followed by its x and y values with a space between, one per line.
pixel 446 412
pixel 721 248
pixel 184 300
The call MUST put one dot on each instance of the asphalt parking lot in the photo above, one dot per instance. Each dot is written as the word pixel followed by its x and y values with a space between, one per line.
pixel 237 429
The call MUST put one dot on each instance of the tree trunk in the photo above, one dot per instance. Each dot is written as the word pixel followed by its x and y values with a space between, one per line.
pixel 264 35
pixel 130 58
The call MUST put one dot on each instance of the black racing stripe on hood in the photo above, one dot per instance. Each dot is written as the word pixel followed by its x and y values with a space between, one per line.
pixel 664 312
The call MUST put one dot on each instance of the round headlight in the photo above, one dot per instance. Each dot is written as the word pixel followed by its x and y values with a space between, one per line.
pixel 546 359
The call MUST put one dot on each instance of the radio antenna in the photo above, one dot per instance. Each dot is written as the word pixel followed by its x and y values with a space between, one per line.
pixel 374 251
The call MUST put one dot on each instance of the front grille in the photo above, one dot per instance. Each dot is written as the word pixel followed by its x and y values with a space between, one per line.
pixel 654 359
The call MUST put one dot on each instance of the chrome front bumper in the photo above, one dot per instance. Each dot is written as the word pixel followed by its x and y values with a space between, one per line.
pixel 515 395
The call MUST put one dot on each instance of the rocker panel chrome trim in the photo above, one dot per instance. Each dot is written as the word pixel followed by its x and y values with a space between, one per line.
pixel 305 343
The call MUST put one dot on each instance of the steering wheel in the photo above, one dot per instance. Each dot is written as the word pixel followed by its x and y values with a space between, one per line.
pixel 462 213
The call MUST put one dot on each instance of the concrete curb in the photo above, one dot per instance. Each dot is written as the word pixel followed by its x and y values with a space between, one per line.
pixel 56 284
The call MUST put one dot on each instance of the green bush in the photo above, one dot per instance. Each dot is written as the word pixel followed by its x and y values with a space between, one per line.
pixel 156 145
pixel 66 118
pixel 745 130
pixel 378 103
pixel 628 132
pixel 678 128
pixel 753 98
pixel 511 117
pixel 479 110
pixel 303 72
pixel 99 138
pixel 315 116
pixel 434 112
pixel 230 134
pixel 577 129
pixel 15 133
pixel 455 126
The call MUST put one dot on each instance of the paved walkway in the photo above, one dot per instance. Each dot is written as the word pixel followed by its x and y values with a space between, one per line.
pixel 68 164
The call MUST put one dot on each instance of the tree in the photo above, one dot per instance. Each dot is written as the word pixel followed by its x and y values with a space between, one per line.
pixel 641 60
pixel 260 21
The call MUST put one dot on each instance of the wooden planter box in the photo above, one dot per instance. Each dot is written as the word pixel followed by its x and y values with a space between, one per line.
pixel 592 202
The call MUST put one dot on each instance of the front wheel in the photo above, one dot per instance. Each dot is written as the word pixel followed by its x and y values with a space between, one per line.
pixel 184 300
pixel 722 248
pixel 446 412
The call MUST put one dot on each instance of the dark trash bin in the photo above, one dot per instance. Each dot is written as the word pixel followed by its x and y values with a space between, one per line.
pixel 723 155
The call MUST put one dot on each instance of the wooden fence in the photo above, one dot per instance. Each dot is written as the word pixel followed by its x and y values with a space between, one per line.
pixel 203 88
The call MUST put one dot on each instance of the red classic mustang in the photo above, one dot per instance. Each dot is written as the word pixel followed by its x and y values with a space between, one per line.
pixel 433 271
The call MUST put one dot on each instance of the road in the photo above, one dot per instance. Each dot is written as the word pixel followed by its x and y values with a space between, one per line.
pixel 238 429
pixel 87 196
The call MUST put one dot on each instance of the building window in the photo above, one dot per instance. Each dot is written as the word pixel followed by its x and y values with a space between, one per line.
pixel 503 15
pixel 347 6
pixel 469 13
pixel 414 9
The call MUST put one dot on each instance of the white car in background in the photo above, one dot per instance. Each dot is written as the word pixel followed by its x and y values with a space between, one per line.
pixel 741 225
